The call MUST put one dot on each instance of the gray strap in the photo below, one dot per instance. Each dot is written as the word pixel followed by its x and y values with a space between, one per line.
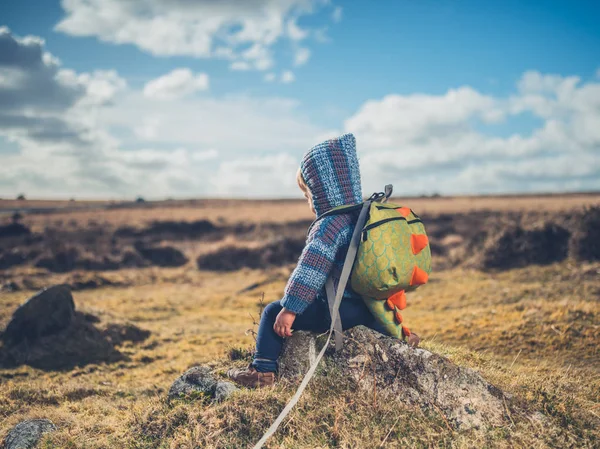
pixel 388 192
pixel 348 263
pixel 339 332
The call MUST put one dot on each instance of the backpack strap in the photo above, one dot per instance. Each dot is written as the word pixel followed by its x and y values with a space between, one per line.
pixel 334 305
pixel 349 208
pixel 348 263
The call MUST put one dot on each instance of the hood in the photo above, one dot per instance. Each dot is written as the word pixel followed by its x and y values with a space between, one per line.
pixel 332 173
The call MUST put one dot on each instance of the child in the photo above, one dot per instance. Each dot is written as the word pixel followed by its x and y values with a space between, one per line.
pixel 329 176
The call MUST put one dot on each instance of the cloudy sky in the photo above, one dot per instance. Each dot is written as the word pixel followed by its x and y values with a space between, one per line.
pixel 215 98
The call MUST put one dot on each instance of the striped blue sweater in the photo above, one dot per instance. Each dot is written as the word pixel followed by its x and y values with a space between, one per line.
pixel 331 172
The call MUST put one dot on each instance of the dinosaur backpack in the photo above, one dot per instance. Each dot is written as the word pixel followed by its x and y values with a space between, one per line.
pixel 388 255
pixel 393 257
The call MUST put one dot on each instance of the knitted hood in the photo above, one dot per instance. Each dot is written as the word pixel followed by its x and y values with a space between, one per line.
pixel 332 173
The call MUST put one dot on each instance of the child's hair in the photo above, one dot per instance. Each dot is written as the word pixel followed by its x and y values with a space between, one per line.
pixel 300 179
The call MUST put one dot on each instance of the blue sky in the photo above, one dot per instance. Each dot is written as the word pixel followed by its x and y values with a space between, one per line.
pixel 470 97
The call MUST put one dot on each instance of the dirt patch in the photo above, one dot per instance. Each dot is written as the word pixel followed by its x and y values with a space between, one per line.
pixel 169 230
pixel 518 247
pixel 585 242
pixel 14 230
pixel 162 256
pixel 231 258
pixel 17 256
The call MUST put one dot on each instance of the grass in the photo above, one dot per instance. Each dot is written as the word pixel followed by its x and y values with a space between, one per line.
pixel 532 332
pixel 531 337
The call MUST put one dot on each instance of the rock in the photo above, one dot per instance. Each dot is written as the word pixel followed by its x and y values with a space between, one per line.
pixel 47 312
pixel 298 354
pixel 86 340
pixel 26 434
pixel 402 373
pixel 200 379
pixel 223 390
pixel 197 379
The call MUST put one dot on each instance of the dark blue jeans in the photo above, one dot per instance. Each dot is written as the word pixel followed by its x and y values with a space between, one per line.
pixel 316 318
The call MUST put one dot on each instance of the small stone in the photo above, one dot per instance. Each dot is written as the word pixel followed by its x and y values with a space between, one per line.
pixel 27 434
pixel 223 390
pixel 197 379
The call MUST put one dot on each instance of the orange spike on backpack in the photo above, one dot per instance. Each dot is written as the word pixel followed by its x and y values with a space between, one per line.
pixel 398 300
pixel 418 242
pixel 398 316
pixel 404 211
pixel 419 277
pixel 405 331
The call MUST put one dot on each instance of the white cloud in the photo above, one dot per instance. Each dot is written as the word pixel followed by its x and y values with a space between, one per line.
pixel 399 119
pixel 295 32
pixel 203 29
pixel 302 56
pixel 240 66
pixel 337 14
pixel 261 175
pixel 436 142
pixel 287 77
pixel 76 137
pixel 90 135
pixel 176 84
pixel 270 77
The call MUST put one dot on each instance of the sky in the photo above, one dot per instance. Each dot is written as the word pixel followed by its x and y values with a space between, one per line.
pixel 113 99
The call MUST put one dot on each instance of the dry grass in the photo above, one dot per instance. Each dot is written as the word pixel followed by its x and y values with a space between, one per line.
pixel 532 331
pixel 280 211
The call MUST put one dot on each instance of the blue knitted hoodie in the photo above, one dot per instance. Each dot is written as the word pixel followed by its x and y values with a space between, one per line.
pixel 331 172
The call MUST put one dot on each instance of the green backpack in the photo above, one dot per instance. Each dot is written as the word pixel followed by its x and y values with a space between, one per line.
pixel 393 257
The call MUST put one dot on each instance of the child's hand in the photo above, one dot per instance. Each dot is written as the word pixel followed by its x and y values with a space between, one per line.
pixel 283 323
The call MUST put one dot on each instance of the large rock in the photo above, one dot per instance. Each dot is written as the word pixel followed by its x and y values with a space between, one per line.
pixel 200 379
pixel 402 373
pixel 47 333
pixel 47 312
pixel 26 434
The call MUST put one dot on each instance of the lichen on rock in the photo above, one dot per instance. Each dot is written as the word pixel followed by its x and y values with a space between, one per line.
pixel 200 380
pixel 401 373
pixel 27 434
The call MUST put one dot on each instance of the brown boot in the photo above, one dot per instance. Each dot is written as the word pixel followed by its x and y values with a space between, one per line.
pixel 250 378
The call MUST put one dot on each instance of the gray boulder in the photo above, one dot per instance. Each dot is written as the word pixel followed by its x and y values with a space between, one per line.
pixel 223 390
pixel 26 434
pixel 200 379
pixel 401 373
pixel 47 312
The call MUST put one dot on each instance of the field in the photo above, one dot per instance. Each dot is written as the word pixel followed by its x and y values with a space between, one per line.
pixel 195 273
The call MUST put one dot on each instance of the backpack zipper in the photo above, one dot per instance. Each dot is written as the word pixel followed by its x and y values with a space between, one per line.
pixel 379 223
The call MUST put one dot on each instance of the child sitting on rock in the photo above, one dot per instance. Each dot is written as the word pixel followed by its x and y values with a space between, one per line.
pixel 329 176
